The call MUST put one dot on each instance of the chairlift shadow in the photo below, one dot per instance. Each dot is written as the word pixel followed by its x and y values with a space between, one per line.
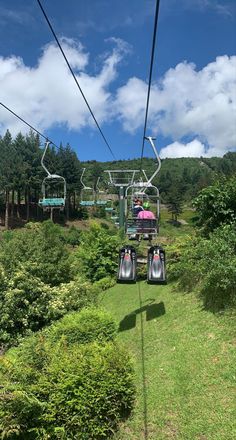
pixel 153 310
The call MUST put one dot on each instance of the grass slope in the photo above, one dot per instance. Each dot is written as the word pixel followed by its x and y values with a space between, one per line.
pixel 183 357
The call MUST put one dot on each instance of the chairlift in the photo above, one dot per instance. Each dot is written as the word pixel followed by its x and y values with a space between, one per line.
pixel 144 191
pixel 99 193
pixel 53 185
pixel 87 193
pixel 139 228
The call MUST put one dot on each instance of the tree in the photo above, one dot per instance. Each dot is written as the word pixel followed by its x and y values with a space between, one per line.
pixel 216 205
pixel 174 201
pixel 8 160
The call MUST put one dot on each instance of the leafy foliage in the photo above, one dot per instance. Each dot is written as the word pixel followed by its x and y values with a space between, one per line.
pixel 87 326
pixel 97 255
pixel 210 266
pixel 65 389
pixel 40 250
pixel 216 205
pixel 28 304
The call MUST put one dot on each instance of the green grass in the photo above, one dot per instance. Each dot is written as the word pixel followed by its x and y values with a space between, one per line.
pixel 168 232
pixel 184 364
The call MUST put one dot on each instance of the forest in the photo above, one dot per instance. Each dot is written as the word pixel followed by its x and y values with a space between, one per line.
pixel 21 176
pixel 73 363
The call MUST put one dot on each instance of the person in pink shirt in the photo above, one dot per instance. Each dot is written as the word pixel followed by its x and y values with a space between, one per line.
pixel 146 214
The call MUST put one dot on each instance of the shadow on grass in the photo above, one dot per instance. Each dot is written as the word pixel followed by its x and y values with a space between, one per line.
pixel 152 310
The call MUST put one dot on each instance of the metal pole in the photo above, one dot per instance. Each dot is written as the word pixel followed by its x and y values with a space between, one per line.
pixel 51 214
pixel 122 207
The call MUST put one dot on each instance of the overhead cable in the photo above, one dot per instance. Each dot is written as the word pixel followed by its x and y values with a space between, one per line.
pixel 150 77
pixel 34 129
pixel 75 79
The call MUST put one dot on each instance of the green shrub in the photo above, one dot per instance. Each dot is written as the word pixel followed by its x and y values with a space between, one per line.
pixel 18 410
pixel 72 296
pixel 24 307
pixel 79 392
pixel 105 283
pixel 28 305
pixel 209 265
pixel 71 236
pixel 97 254
pixel 39 249
pixel 87 326
pixel 216 205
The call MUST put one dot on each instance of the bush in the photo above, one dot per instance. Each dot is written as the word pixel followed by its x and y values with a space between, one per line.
pixel 39 248
pixel 97 254
pixel 216 205
pixel 209 265
pixel 19 409
pixel 87 326
pixel 24 307
pixel 105 283
pixel 28 305
pixel 70 391
pixel 72 296
pixel 71 236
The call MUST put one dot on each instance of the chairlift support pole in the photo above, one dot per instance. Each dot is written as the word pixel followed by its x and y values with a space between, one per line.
pixel 122 207
pixel 121 183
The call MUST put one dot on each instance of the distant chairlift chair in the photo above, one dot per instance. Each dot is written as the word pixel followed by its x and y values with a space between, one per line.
pixel 99 201
pixel 86 201
pixel 52 184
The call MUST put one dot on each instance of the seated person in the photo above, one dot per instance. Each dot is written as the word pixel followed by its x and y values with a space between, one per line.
pixel 137 207
pixel 146 214
pixel 146 229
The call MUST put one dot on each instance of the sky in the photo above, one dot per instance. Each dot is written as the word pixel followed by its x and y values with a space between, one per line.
pixel 108 44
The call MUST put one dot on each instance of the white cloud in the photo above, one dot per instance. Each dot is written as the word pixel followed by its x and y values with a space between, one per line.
pixel 47 95
pixel 224 8
pixel 186 102
pixel 199 105
pixel 177 149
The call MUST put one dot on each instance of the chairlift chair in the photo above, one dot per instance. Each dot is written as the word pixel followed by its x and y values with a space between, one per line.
pixel 139 228
pixel 99 200
pixel 86 193
pixel 52 184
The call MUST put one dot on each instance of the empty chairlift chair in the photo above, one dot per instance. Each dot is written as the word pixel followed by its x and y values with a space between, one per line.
pixel 100 201
pixel 53 188
pixel 87 193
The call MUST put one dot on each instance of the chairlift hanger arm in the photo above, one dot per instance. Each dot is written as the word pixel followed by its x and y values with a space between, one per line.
pixel 81 180
pixel 151 139
pixel 47 143
pixel 98 190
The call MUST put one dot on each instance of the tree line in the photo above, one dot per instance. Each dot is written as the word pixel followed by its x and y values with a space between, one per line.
pixel 21 175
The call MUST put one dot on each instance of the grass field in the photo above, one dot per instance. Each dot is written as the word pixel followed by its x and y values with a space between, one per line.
pixel 184 364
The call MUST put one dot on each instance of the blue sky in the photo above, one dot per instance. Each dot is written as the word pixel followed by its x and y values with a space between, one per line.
pixel 193 99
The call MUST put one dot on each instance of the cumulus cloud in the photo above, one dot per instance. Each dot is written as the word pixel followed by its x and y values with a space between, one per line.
pixel 192 149
pixel 46 95
pixel 186 102
pixel 199 105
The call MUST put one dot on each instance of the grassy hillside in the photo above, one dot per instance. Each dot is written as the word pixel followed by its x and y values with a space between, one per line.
pixel 184 362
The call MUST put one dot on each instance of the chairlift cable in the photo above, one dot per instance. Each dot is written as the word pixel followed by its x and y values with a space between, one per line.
pixel 75 79
pixel 150 77
pixel 34 129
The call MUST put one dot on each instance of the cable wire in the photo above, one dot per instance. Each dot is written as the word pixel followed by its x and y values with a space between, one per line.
pixel 150 77
pixel 75 79
pixel 21 119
